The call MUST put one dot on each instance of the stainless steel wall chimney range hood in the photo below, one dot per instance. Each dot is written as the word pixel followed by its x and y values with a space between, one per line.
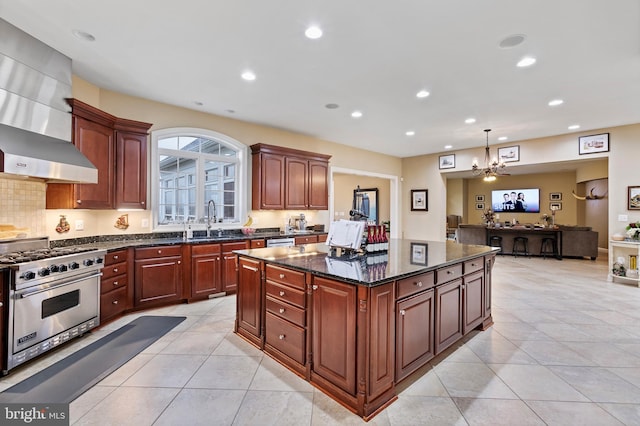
pixel 35 120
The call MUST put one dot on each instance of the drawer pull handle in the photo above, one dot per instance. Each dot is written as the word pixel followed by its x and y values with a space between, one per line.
pixel 419 283
pixel 115 269
pixel 115 257
pixel 315 287
pixel 402 312
pixel 281 337
pixel 115 283
pixel 449 272
pixel 473 264
pixel 282 310
pixel 281 276
pixel 159 251
pixel 179 262
pixel 282 293
pixel 115 302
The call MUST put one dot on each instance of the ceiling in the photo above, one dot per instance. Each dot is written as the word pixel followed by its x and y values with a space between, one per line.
pixel 374 57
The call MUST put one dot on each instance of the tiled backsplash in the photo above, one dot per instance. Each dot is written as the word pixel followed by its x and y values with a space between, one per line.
pixel 22 203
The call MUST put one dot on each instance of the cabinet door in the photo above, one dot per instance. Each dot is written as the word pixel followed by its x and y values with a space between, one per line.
pixel 334 333
pixel 414 333
pixel 473 306
pixel 296 184
pixel 488 266
pixel 249 299
pixel 158 280
pixel 318 185
pixel 131 170
pixel 268 181
pixel 230 265
pixel 205 275
pixel 448 322
pixel 95 141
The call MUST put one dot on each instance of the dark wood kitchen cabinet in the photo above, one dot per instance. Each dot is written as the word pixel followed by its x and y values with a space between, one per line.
pixel 118 149
pixel 229 274
pixel 158 275
pixel 289 179
pixel 3 311
pixel 205 270
pixel 448 314
pixel 249 301
pixel 473 295
pixel 114 285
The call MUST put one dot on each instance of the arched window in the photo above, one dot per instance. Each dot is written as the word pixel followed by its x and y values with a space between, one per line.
pixel 190 167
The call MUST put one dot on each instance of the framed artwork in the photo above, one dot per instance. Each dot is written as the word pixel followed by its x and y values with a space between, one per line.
pixel 593 143
pixel 555 206
pixel 418 253
pixel 419 201
pixel 509 154
pixel 479 206
pixel 448 161
pixel 555 196
pixel 479 198
pixel 633 201
pixel 366 202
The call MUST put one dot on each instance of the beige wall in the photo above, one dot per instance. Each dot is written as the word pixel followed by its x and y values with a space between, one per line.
pixel 343 194
pixel 595 213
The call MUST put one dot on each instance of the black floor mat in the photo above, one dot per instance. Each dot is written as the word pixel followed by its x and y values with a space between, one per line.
pixel 68 378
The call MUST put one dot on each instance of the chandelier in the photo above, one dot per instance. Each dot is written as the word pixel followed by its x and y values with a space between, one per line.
pixel 492 167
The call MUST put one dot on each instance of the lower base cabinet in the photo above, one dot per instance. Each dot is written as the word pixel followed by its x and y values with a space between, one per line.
pixel 414 333
pixel 114 285
pixel 249 300
pixel 448 314
pixel 158 275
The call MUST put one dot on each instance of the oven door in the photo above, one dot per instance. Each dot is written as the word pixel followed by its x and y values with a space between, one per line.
pixel 40 313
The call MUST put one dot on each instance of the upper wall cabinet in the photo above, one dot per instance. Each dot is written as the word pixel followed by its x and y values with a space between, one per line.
pixel 118 149
pixel 289 179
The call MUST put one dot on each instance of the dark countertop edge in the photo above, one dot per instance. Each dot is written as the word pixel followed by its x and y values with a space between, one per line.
pixel 491 250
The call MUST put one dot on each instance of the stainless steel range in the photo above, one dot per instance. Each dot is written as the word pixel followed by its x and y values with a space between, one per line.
pixel 54 295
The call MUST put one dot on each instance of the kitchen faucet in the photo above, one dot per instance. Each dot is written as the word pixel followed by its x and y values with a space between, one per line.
pixel 215 220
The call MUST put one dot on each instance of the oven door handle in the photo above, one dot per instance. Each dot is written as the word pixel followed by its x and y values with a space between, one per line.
pixel 27 293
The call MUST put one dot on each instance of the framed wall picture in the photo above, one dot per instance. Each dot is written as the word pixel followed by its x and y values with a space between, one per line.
pixel 448 161
pixel 479 198
pixel 555 196
pixel 593 143
pixel 555 206
pixel 419 253
pixel 633 201
pixel 509 154
pixel 479 206
pixel 419 201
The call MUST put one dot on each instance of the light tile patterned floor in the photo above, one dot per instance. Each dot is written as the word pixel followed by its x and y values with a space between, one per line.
pixel 564 350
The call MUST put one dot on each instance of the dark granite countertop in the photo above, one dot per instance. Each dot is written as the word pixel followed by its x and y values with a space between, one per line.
pixel 404 258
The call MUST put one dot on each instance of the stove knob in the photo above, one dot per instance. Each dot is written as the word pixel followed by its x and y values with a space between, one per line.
pixel 43 272
pixel 88 262
pixel 29 275
pixel 99 260
pixel 54 268
pixel 74 265
pixel 62 268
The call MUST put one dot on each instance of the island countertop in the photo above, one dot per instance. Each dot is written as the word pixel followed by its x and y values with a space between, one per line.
pixel 404 258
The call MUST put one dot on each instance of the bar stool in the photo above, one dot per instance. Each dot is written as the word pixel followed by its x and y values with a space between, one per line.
pixel 548 246
pixel 520 246
pixel 496 241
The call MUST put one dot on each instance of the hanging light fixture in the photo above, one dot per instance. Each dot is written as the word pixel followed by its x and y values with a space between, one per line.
pixel 492 167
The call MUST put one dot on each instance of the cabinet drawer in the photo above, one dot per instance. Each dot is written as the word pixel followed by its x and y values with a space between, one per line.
pixel 473 265
pixel 108 284
pixel 447 274
pixel 113 303
pixel 285 293
pixel 310 239
pixel 412 285
pixel 204 249
pixel 114 270
pixel 158 251
pixel 285 337
pixel 257 243
pixel 241 245
pixel 322 238
pixel 286 311
pixel 115 257
pixel 285 276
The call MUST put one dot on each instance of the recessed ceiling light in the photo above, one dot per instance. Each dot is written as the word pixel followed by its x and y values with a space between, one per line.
pixel 410 133
pixel 248 75
pixel 230 111
pixel 556 102
pixel 332 106
pixel 422 94
pixel 198 103
pixel 512 41
pixel 448 146
pixel 356 114
pixel 470 120
pixel 503 138
pixel 527 61
pixel 313 32
pixel 574 127
pixel 83 35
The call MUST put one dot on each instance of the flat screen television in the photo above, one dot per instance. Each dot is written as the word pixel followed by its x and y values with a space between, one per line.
pixel 516 200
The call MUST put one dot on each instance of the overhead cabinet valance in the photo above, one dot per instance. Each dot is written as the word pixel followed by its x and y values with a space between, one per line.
pixel 289 179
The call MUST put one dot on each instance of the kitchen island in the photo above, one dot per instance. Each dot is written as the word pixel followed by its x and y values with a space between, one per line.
pixel 355 328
